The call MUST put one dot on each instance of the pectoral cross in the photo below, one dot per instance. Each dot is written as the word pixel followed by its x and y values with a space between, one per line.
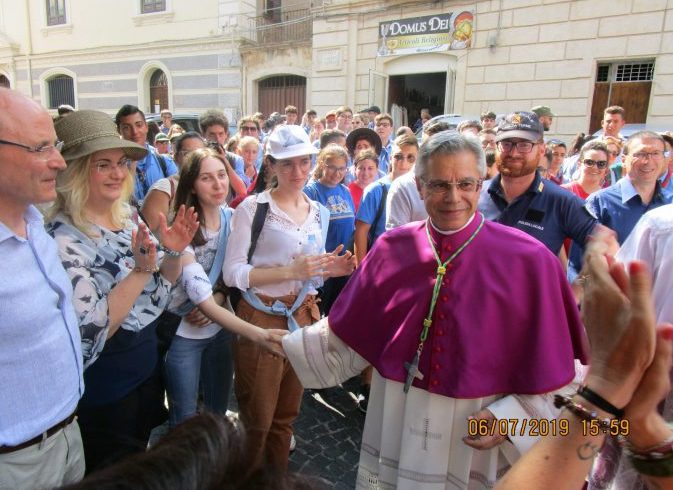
pixel 412 372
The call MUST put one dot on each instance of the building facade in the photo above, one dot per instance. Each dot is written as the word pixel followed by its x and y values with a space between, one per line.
pixel 576 56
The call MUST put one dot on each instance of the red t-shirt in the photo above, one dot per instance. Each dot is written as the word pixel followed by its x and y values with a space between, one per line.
pixel 356 193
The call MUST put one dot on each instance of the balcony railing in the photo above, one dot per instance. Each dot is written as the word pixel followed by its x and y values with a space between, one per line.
pixel 281 26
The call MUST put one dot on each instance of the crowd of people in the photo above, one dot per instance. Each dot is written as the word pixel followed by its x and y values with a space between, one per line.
pixel 151 264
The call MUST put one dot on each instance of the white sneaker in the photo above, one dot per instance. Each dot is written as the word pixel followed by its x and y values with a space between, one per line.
pixel 293 443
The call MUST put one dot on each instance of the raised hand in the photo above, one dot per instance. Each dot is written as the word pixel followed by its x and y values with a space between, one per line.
pixel 181 232
pixel 143 248
pixel 618 314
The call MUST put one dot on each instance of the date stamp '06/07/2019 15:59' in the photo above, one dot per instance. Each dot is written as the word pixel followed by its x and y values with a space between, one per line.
pixel 541 427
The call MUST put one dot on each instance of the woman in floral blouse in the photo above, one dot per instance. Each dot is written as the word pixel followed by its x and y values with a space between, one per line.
pixel 121 279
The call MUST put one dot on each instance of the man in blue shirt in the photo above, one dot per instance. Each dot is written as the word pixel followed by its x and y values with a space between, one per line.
pixel 520 198
pixel 383 125
pixel 620 206
pixel 40 352
pixel 132 126
pixel 214 127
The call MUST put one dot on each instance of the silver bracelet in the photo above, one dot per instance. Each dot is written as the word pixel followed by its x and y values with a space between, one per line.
pixel 170 253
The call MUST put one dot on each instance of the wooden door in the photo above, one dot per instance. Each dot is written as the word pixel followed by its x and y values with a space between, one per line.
pixel 275 93
pixel 158 92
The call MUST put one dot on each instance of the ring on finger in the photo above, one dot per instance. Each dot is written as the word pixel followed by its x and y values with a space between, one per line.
pixel 143 250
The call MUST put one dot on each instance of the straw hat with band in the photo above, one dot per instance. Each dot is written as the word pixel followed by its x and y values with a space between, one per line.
pixel 86 132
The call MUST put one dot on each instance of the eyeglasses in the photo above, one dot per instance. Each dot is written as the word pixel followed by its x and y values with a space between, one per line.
pixel 336 170
pixel 521 146
pixel 106 167
pixel 42 150
pixel 249 128
pixel 594 163
pixel 444 186
pixel 408 158
pixel 643 155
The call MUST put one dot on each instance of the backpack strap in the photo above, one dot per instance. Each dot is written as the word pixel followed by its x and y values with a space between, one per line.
pixel 257 224
pixel 379 211
pixel 162 164
pixel 324 224
pixel 225 228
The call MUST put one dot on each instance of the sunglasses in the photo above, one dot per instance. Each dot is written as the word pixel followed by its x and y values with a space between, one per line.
pixel 595 163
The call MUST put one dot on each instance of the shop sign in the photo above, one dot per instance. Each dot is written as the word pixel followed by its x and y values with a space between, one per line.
pixel 425 34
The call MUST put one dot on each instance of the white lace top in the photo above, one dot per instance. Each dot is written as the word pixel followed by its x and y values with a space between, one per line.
pixel 279 243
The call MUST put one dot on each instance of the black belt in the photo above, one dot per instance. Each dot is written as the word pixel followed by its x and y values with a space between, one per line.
pixel 45 435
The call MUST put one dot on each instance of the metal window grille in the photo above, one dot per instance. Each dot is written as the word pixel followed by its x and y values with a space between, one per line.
pixel 283 81
pixel 55 12
pixel 61 91
pixel 158 79
pixel 635 72
pixel 149 6
pixel 603 74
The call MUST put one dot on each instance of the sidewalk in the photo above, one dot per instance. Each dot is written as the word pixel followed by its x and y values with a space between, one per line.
pixel 328 433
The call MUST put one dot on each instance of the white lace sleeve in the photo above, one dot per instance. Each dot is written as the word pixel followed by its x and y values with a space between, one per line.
pixel 320 358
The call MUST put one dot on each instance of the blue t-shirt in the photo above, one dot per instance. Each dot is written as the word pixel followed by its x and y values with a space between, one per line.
pixel 372 198
pixel 339 202
pixel 545 211
pixel 384 157
pixel 149 170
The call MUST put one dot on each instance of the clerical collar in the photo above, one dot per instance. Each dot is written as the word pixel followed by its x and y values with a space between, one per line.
pixel 451 232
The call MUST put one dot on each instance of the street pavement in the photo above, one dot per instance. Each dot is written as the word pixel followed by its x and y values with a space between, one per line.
pixel 328 433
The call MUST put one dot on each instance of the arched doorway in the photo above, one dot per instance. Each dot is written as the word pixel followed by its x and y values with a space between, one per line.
pixel 4 81
pixel 158 91
pixel 277 92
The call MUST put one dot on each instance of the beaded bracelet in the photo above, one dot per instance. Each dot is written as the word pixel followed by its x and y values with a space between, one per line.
pixel 169 252
pixel 150 270
pixel 581 411
pixel 661 450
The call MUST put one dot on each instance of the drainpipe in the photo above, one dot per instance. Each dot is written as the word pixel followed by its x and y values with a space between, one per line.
pixel 29 51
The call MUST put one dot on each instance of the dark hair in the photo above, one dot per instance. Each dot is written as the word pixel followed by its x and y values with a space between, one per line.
pixel 488 131
pixel 640 135
pixel 213 117
pixel 330 136
pixel 184 193
pixel 406 140
pixel 127 110
pixel 469 123
pixel 615 109
pixel 548 155
pixel 180 141
pixel 206 452
pixel 597 145
pixel 290 109
pixel 436 127
pixel 577 143
pixel 311 112
pixel 247 119
pixel 487 114
pixel 489 153
pixel 366 155
pixel 152 130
